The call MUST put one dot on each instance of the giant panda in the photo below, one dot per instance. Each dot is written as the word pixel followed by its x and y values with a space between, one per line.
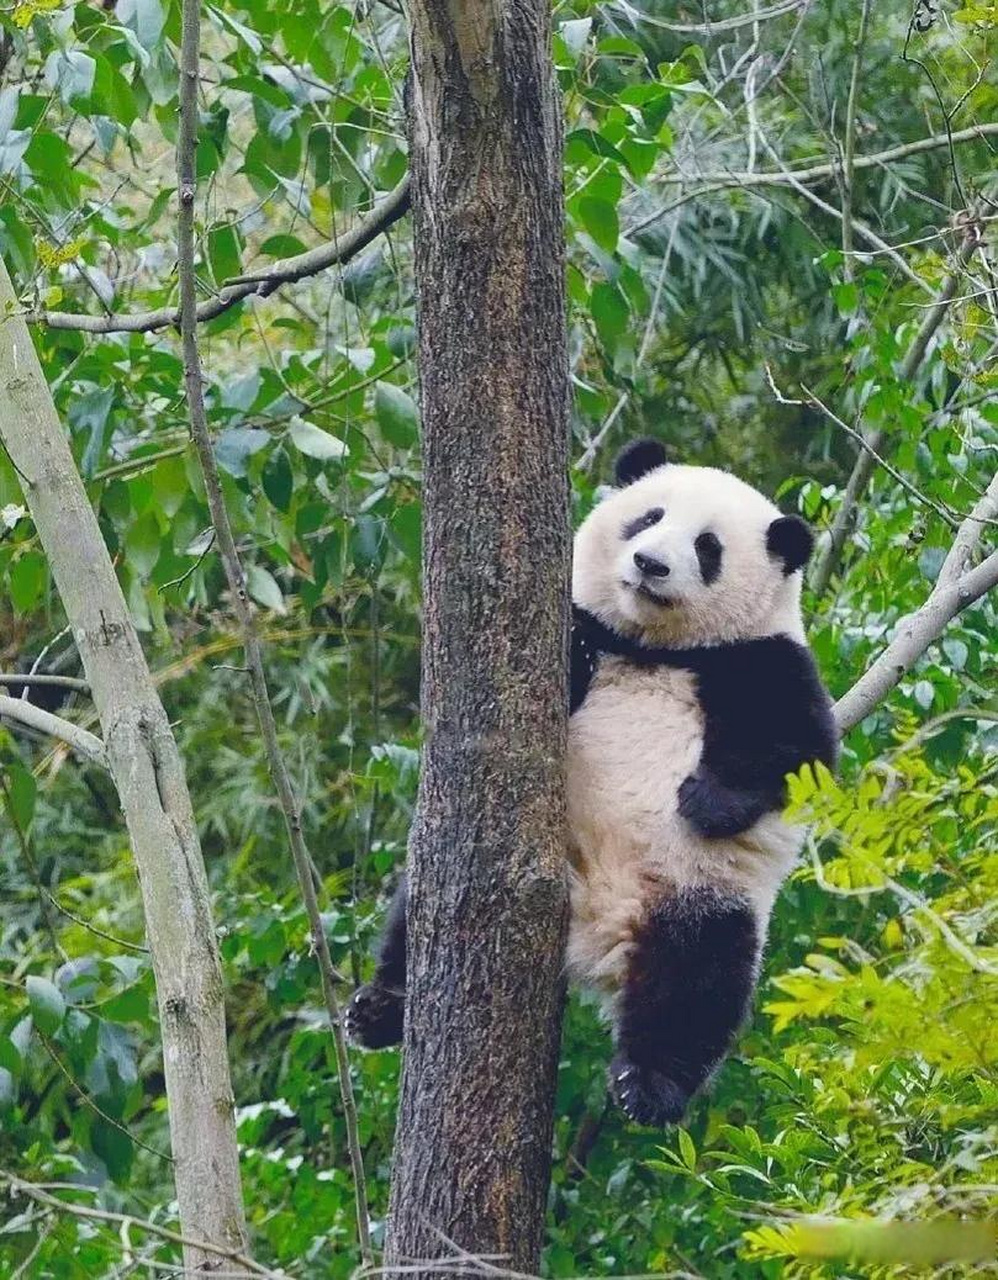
pixel 693 695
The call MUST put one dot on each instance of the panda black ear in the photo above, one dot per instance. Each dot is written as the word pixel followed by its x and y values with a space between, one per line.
pixel 638 459
pixel 790 538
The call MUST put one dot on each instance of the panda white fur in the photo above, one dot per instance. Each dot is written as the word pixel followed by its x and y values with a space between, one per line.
pixel 693 695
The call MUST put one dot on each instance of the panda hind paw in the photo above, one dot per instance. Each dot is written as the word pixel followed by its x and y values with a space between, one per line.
pixel 373 1018
pixel 646 1096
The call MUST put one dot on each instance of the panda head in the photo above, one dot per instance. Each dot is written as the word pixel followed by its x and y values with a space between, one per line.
pixel 683 556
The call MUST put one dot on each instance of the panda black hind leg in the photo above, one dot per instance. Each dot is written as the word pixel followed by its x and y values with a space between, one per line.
pixel 373 1017
pixel 687 989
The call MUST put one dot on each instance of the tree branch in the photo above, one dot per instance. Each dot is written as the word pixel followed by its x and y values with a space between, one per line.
pixel 148 772
pixel 236 579
pixel 85 744
pixel 786 177
pixel 19 1186
pixel 284 271
pixel 955 588
pixel 26 681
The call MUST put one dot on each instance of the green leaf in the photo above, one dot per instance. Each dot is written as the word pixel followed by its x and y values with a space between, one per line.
pixel 575 33
pixel 395 410
pixel 262 586
pixel 236 446
pixel 599 218
pixel 143 543
pixel 315 442
pixel 48 1008
pixel 26 578
pixel 224 253
pixel 687 1150
pixel 846 297
pixel 924 694
pixel 610 313
pixel 278 479
pixel 22 791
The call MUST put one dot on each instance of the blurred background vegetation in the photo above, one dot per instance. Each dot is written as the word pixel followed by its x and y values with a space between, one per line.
pixel 698 259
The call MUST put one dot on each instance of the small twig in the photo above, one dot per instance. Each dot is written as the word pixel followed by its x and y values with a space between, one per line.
pixel 87 1101
pixel 810 398
pixel 124 1220
pixel 85 744
pixel 92 928
pixel 236 578
pixel 177 582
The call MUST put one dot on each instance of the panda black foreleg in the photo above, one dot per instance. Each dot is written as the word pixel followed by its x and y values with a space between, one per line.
pixel 718 811
pixel 373 1017
pixel 687 989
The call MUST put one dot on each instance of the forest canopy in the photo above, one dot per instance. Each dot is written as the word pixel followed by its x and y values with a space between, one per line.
pixel 780 231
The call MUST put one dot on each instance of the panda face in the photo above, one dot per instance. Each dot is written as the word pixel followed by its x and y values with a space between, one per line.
pixel 690 555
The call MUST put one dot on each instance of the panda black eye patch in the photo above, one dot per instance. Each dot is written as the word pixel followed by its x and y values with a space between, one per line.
pixel 709 550
pixel 650 517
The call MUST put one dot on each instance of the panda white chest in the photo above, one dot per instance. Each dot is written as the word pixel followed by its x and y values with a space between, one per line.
pixel 638 734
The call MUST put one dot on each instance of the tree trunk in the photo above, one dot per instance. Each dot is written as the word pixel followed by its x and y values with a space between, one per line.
pixel 487 903
pixel 147 769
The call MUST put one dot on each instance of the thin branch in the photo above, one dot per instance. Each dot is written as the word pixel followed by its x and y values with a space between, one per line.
pixel 87 1101
pixel 264 283
pixel 236 578
pixel 721 180
pixel 85 744
pixel 9 679
pixel 778 177
pixel 124 1220
pixel 862 470
pixel 945 513
pixel 956 587
pixel 708 28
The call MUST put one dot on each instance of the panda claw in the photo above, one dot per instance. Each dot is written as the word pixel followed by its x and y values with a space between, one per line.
pixel 646 1096
pixel 373 1018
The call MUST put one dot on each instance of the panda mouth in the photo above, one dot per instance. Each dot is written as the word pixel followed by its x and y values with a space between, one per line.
pixel 646 593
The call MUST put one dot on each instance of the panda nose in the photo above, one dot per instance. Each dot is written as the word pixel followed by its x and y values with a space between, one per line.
pixel 649 566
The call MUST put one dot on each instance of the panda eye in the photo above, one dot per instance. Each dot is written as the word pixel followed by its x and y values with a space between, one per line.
pixel 650 517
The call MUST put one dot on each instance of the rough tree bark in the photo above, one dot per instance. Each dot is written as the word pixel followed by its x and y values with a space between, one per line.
pixel 148 772
pixel 487 895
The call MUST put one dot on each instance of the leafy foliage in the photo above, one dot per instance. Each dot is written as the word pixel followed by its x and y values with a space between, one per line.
pixel 866 1086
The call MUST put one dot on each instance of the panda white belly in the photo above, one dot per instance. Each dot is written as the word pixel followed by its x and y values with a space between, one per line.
pixel 633 741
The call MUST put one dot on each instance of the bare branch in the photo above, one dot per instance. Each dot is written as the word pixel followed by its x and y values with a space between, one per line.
pixel 955 588
pixel 784 177
pixel 85 744
pixel 236 579
pixel 721 180
pixel 708 28
pixel 284 271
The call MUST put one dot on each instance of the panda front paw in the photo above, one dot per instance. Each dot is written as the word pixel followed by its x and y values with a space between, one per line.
pixel 646 1096
pixel 373 1018
pixel 714 810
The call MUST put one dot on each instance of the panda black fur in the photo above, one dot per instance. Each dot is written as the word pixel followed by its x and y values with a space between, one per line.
pixel 693 694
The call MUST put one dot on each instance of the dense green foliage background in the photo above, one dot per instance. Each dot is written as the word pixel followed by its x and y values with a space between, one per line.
pixel 867 1084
